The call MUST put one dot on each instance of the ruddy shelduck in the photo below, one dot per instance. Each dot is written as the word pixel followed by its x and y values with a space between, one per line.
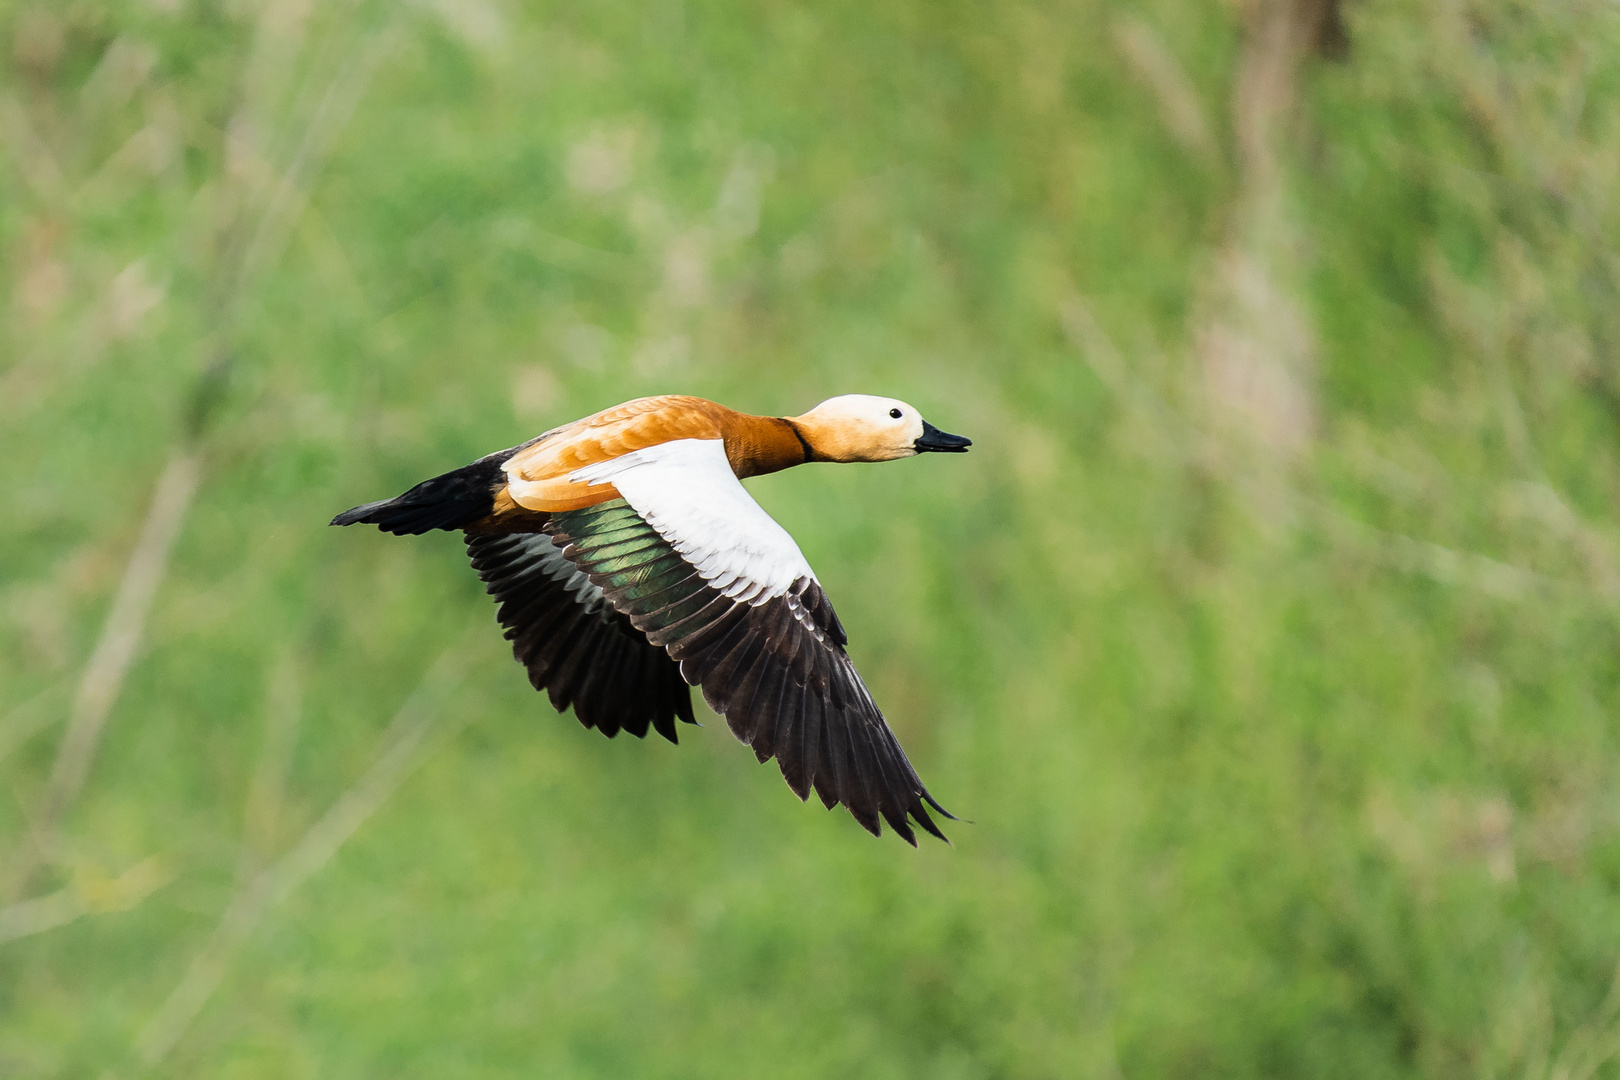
pixel 630 564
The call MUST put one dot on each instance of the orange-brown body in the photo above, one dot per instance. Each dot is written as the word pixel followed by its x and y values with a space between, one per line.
pixel 538 475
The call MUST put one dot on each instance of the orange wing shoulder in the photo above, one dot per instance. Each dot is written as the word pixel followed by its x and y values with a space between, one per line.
pixel 537 478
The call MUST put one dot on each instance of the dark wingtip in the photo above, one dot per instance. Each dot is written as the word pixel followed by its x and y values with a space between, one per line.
pixel 920 816
pixel 664 724
pixel 929 799
pixel 897 821
pixel 874 825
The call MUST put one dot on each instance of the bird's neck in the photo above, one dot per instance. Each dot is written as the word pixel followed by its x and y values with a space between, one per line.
pixel 756 445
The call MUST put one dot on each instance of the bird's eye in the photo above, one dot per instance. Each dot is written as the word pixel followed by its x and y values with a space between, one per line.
pixel 895 413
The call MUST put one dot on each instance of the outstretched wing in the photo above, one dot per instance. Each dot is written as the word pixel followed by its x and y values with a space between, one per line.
pixel 702 571
pixel 577 648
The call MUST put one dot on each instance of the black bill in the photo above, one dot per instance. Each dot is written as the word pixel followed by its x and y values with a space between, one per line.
pixel 937 441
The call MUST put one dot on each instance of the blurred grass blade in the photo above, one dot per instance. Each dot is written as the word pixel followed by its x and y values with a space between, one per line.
pixel 1153 63
pixel 89 894
pixel 402 751
pixel 267 788
pixel 290 191
pixel 115 651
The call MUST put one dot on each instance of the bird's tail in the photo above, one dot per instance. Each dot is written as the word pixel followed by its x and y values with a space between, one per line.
pixel 451 501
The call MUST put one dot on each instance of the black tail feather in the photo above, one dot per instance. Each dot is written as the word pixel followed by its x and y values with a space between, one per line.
pixel 451 501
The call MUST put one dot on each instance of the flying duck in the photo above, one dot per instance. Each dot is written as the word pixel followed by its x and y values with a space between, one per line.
pixel 629 564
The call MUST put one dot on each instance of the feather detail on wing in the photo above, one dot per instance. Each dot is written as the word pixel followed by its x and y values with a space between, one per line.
pixel 695 565
pixel 577 647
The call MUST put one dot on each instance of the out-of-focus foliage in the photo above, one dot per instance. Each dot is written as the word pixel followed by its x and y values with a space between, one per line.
pixel 1268 635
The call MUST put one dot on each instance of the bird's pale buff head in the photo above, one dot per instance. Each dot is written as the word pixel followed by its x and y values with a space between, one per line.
pixel 861 427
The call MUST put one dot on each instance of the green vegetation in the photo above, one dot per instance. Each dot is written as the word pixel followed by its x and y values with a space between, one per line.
pixel 1268 636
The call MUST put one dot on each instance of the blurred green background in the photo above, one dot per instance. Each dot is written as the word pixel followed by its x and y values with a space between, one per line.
pixel 1268 635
